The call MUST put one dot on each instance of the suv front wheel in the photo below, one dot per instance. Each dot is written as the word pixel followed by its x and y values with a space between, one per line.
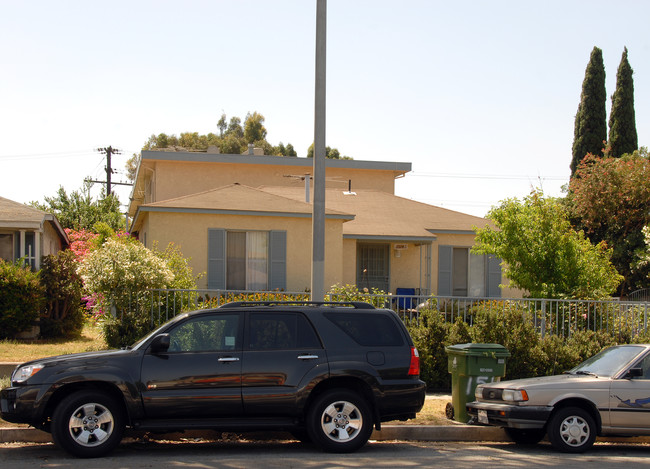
pixel 87 424
pixel 339 421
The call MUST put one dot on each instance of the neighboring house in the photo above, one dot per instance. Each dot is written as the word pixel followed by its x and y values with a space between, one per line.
pixel 26 232
pixel 245 220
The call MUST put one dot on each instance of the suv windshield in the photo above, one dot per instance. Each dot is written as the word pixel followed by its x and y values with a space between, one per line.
pixel 608 362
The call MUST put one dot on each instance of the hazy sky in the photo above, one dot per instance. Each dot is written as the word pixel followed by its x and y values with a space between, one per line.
pixel 479 96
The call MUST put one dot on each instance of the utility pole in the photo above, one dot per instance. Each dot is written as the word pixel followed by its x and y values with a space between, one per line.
pixel 318 208
pixel 108 151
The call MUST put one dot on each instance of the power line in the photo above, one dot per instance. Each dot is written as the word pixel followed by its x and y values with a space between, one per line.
pixel 484 176
pixel 66 154
pixel 109 151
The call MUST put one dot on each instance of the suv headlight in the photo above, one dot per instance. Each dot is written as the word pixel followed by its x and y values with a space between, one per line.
pixel 514 395
pixel 25 372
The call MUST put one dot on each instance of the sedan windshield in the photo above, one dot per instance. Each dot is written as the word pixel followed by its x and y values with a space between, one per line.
pixel 609 362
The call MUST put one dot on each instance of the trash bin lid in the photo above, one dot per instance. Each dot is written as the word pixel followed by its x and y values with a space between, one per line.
pixel 480 350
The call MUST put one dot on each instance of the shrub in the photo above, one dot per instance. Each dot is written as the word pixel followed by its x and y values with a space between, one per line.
pixel 429 334
pixel 21 298
pixel 505 323
pixel 63 315
pixel 347 292
pixel 119 273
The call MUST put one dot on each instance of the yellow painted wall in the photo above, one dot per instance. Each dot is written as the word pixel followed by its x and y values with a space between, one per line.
pixel 176 179
pixel 349 276
pixel 405 269
pixel 190 232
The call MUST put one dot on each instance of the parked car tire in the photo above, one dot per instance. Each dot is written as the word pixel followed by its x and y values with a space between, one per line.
pixel 525 436
pixel 572 430
pixel 339 421
pixel 88 424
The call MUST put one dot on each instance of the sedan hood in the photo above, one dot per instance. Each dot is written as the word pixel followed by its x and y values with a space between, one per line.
pixel 550 381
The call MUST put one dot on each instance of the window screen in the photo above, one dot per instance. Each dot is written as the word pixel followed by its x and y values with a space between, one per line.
pixel 368 329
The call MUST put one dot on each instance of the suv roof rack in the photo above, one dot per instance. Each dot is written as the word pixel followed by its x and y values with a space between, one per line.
pixel 354 304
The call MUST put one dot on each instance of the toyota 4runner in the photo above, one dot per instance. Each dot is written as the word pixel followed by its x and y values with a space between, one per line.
pixel 328 372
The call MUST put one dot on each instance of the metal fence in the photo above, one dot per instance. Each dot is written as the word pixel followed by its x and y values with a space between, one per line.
pixel 548 316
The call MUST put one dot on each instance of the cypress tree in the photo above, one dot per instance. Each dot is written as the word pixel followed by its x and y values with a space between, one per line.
pixel 622 123
pixel 590 129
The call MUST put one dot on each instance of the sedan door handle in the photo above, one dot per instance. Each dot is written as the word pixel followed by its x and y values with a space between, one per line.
pixel 229 359
pixel 307 357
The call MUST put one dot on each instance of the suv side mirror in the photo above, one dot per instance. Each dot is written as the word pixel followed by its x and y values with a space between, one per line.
pixel 634 373
pixel 160 344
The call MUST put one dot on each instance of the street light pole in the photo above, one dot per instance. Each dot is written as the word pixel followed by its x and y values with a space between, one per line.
pixel 318 207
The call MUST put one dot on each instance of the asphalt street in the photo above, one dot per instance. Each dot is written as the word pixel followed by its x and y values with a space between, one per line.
pixel 283 454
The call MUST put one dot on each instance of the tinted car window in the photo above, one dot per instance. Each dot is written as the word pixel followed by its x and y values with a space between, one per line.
pixel 205 334
pixel 368 329
pixel 281 331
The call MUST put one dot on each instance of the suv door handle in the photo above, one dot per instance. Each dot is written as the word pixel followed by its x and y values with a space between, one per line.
pixel 229 359
pixel 307 357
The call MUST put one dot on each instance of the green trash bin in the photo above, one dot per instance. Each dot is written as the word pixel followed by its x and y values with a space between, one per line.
pixel 471 365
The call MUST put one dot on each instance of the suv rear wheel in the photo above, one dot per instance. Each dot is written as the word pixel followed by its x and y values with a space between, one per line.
pixel 88 424
pixel 339 421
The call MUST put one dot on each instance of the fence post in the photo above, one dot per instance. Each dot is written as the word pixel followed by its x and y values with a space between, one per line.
pixel 543 326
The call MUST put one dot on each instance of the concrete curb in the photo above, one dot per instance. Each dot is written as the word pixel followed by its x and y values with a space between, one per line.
pixel 6 368
pixel 456 432
pixel 388 432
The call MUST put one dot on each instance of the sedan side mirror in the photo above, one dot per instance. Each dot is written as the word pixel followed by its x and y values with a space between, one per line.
pixel 634 373
pixel 160 344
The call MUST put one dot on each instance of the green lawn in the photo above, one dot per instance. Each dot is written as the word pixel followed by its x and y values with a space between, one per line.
pixel 21 351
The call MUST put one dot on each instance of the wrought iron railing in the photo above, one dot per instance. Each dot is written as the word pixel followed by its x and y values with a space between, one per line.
pixel 549 316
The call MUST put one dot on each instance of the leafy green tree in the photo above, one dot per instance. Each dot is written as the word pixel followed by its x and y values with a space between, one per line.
pixel 591 119
pixel 622 122
pixel 330 153
pixel 131 166
pixel 609 200
pixel 254 129
pixel 541 252
pixel 232 139
pixel 222 125
pixel 235 128
pixel 78 210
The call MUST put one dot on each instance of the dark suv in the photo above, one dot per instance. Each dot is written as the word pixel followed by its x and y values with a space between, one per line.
pixel 327 372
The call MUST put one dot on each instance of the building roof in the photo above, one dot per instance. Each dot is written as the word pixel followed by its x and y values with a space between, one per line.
pixel 238 199
pixel 379 215
pixel 15 215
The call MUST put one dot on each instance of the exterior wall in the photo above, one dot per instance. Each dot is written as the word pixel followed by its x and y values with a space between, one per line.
pixel 176 179
pixel 349 262
pixel 51 243
pixel 190 232
pixel 405 270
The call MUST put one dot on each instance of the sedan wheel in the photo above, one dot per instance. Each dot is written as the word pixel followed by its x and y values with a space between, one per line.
pixel 572 430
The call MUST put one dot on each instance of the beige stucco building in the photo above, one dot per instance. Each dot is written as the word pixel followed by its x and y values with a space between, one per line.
pixel 29 233
pixel 245 220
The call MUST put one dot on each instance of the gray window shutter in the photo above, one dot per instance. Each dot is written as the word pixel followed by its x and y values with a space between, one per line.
pixel 278 260
pixel 217 258
pixel 444 270
pixel 493 277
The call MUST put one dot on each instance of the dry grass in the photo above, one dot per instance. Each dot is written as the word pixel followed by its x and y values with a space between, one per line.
pixel 433 412
pixel 21 351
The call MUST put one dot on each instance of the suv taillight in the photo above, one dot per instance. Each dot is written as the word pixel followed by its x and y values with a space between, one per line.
pixel 414 368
